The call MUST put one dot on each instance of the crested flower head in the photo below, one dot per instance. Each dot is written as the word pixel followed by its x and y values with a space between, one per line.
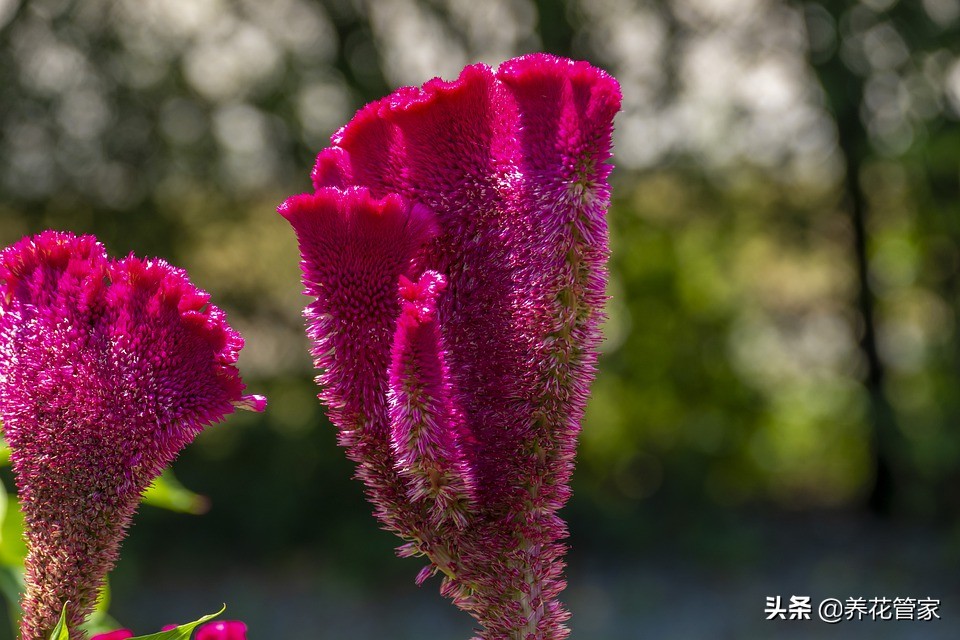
pixel 455 245
pixel 108 368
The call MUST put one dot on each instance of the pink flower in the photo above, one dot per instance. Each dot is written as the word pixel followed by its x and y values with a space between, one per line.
pixel 455 244
pixel 108 368
pixel 220 630
pixel 223 630
pixel 119 634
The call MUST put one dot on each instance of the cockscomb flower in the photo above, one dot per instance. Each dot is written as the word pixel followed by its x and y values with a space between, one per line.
pixel 108 368
pixel 455 244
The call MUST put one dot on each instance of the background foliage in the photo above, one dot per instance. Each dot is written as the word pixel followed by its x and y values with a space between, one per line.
pixel 780 371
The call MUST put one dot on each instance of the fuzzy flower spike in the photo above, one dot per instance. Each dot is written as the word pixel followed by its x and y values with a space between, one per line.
pixel 455 245
pixel 108 368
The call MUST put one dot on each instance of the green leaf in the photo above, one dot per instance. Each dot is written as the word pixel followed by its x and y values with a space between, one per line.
pixel 166 492
pixel 13 548
pixel 13 551
pixel 60 632
pixel 3 508
pixel 183 632
pixel 11 586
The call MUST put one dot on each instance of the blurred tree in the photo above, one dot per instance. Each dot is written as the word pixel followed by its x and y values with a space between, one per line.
pixel 877 64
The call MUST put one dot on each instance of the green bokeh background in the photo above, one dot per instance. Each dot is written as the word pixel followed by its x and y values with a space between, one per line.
pixel 777 403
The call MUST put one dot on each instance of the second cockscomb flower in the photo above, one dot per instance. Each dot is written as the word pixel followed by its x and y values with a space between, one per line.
pixel 108 368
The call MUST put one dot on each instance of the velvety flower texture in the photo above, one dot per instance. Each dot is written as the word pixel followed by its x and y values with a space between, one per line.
pixel 108 368
pixel 456 244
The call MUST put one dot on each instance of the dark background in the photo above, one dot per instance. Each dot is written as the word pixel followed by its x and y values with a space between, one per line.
pixel 776 411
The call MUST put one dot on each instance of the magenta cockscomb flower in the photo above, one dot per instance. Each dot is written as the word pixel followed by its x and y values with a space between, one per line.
pixel 108 368
pixel 456 244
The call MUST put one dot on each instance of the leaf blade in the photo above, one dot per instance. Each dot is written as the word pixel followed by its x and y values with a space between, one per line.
pixel 61 632
pixel 183 632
